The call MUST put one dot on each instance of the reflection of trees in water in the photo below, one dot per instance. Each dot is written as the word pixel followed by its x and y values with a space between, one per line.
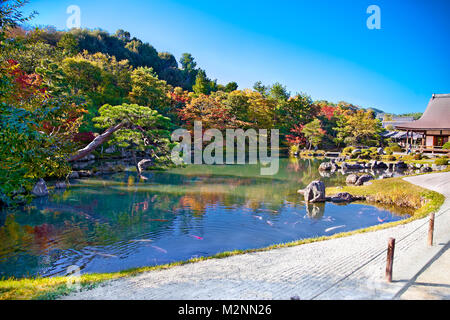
pixel 315 211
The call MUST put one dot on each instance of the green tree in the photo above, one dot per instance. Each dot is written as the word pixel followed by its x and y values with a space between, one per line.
pixel 202 83
pixel 231 86
pixel 148 90
pixel 69 44
pixel 262 89
pixel 313 132
pixel 279 92
pixel 358 127
pixel 139 129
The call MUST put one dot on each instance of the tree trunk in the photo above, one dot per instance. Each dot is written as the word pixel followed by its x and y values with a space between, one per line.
pixel 95 143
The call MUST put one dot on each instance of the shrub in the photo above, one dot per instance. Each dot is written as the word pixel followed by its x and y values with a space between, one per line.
pixel 441 161
pixel 395 147
pixel 294 149
pixel 418 156
pixel 446 145
pixel 348 150
pixel 388 151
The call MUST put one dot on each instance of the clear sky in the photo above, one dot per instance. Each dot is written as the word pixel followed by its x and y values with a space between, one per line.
pixel 320 47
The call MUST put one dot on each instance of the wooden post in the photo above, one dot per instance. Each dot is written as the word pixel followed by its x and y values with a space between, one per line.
pixel 431 229
pixel 390 259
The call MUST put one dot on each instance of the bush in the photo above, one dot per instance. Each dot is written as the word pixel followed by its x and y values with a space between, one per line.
pixel 388 151
pixel 294 149
pixel 348 150
pixel 395 147
pixel 417 156
pixel 446 145
pixel 441 161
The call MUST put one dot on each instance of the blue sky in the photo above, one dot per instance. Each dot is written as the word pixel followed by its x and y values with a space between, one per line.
pixel 321 47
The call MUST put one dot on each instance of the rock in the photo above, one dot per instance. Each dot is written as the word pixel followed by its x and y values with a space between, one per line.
pixel 110 150
pixel 363 179
pixel 380 151
pixel 401 166
pixel 351 166
pixel 60 185
pixel 40 189
pixel 85 173
pixel 351 179
pixel 89 157
pixel 425 169
pixel 315 192
pixel 73 175
pixel 356 151
pixel 344 197
pixel 325 166
pixel 386 176
pixel 378 165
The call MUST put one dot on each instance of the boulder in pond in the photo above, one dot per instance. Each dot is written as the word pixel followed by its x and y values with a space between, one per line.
pixel 426 169
pixel 60 185
pixel 40 189
pixel 315 192
pixel 73 175
pixel 325 166
pixel 363 179
pixel 401 165
pixel 344 197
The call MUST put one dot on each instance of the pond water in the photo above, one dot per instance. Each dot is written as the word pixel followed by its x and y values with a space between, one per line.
pixel 112 223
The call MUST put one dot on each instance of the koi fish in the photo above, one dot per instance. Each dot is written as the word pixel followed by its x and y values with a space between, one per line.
pixel 381 220
pixel 195 237
pixel 105 255
pixel 258 217
pixel 159 249
pixel 141 240
pixel 333 228
pixel 270 223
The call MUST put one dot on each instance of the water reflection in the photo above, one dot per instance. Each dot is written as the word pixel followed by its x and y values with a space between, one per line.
pixel 113 223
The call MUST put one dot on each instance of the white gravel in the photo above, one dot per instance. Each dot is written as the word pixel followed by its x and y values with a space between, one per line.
pixel 345 268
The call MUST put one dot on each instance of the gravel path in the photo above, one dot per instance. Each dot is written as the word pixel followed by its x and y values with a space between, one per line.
pixel 344 268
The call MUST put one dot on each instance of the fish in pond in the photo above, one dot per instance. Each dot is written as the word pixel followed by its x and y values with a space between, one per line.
pixel 270 223
pixel 105 255
pixel 258 217
pixel 381 220
pixel 195 237
pixel 159 249
pixel 333 228
pixel 141 240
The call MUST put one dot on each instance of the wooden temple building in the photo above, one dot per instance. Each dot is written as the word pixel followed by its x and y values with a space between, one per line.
pixel 434 125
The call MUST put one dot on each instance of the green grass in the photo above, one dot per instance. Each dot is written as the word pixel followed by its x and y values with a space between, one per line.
pixel 387 191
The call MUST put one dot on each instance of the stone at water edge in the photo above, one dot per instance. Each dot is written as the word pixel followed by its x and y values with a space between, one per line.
pixel 344 197
pixel 315 192
pixel 73 175
pixel 363 179
pixel 60 185
pixel 351 179
pixel 40 189
pixel 325 166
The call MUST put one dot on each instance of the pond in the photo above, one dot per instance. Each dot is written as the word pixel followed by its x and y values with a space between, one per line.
pixel 112 223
